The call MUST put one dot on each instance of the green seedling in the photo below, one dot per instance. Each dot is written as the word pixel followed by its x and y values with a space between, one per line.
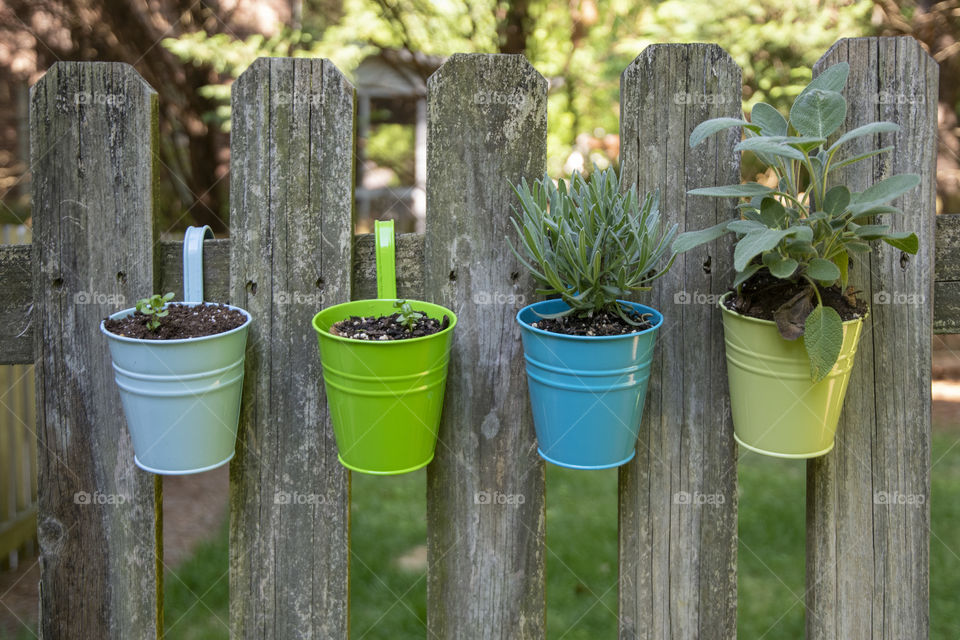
pixel 406 315
pixel 155 308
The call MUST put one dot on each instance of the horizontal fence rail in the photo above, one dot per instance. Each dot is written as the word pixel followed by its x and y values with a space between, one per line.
pixel 16 297
pixel 292 251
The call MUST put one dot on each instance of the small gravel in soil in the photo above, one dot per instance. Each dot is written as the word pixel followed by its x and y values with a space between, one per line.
pixel 387 328
pixel 182 321
pixel 601 324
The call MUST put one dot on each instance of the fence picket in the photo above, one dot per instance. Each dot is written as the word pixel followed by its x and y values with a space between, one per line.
pixel 487 127
pixel 867 553
pixel 290 253
pixel 677 555
pixel 93 133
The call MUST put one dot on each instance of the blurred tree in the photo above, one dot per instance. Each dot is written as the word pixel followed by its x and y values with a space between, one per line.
pixel 937 26
pixel 192 154
pixel 580 46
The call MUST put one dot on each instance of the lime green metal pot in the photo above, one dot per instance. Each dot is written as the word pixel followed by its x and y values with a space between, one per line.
pixel 386 397
pixel 777 409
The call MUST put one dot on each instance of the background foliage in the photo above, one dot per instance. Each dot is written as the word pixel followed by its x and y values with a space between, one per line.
pixel 192 51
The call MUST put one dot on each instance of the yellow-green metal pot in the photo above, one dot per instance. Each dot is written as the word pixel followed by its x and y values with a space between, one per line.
pixel 777 409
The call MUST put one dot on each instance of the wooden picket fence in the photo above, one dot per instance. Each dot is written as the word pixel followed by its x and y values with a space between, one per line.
pixel 18 449
pixel 291 243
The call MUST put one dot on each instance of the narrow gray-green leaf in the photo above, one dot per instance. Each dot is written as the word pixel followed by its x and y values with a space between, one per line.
pixel 746 226
pixel 691 239
pixel 748 189
pixel 872 231
pixel 709 127
pixel 770 147
pixel 865 130
pixel 884 191
pixel 857 158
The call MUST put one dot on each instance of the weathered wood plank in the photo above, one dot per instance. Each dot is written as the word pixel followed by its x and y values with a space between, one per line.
pixel 947 247
pixel 946 292
pixel 678 552
pixel 291 204
pixel 946 309
pixel 868 515
pixel 487 122
pixel 409 260
pixel 93 136
pixel 216 269
pixel 16 300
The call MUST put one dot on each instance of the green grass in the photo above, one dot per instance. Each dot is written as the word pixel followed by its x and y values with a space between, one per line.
pixel 770 556
pixel 389 597
pixel 945 538
pixel 197 593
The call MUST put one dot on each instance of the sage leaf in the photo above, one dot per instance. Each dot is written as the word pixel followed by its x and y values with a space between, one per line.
pixel 755 243
pixel 818 113
pixel 905 241
pixel 824 270
pixel 823 338
pixel 709 127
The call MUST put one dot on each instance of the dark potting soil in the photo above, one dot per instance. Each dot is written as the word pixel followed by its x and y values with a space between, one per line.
pixel 762 295
pixel 182 321
pixel 600 324
pixel 387 328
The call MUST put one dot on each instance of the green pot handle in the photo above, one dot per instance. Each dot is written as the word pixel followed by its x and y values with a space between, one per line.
pixel 193 262
pixel 386 259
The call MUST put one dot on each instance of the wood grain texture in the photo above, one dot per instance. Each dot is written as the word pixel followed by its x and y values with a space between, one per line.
pixel 868 552
pixel 678 558
pixel 93 136
pixel 409 263
pixel 216 269
pixel 291 188
pixel 487 122
pixel 16 302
